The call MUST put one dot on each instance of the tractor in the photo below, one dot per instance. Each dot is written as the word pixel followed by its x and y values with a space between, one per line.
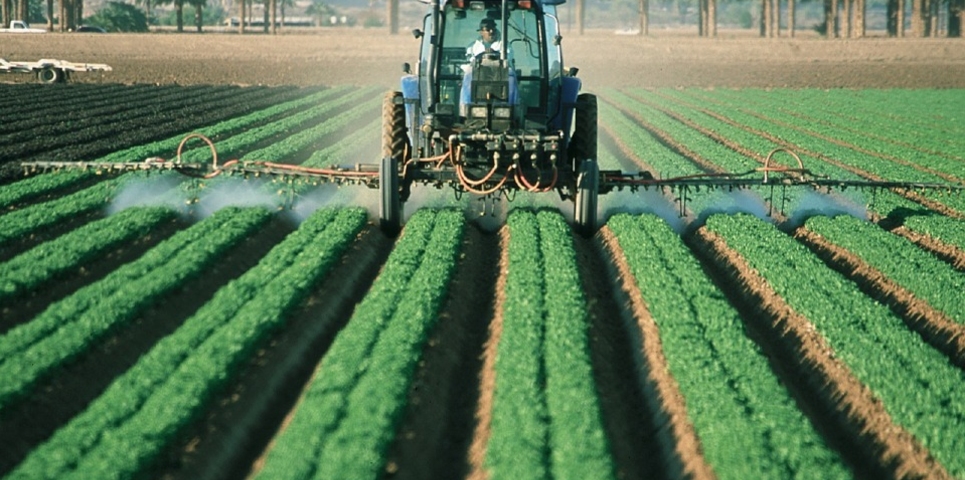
pixel 490 117
pixel 490 110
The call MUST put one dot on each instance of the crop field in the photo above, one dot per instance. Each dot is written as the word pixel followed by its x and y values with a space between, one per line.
pixel 162 326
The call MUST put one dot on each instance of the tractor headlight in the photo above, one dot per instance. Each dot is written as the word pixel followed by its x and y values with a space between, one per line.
pixel 478 111
pixel 503 113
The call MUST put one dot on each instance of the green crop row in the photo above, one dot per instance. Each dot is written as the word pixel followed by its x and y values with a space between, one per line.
pixel 930 279
pixel 141 413
pixel 299 141
pixel 546 418
pixel 924 120
pixel 844 154
pixel 48 183
pixel 71 250
pixel 228 127
pixel 24 221
pixel 39 185
pixel 864 136
pixel 886 203
pixel 71 326
pixel 747 422
pixel 728 160
pixel 235 145
pixel 917 385
pixel 347 418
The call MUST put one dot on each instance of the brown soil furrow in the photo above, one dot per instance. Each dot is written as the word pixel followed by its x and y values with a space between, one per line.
pixel 614 342
pixel 435 436
pixel 245 416
pixel 937 328
pixel 679 444
pixel 947 252
pixel 908 194
pixel 487 374
pixel 846 410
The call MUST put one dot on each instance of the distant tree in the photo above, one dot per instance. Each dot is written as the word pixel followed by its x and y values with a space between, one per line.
pixel 198 12
pixel 320 11
pixel 119 17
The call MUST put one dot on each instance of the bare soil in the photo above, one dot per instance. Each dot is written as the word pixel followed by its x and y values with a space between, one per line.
pixel 373 57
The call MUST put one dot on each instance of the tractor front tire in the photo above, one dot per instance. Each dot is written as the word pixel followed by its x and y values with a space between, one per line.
pixel 390 206
pixel 587 191
pixel 395 152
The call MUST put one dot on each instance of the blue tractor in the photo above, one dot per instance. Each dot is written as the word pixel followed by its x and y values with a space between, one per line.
pixel 490 109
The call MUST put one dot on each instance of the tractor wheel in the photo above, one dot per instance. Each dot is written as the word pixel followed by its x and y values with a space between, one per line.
pixel 583 142
pixel 49 75
pixel 390 206
pixel 587 190
pixel 395 152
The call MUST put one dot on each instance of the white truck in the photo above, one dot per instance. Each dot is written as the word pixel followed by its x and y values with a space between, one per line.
pixel 20 26
pixel 51 71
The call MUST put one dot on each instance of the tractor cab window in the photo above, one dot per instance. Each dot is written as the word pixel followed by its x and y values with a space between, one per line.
pixel 524 50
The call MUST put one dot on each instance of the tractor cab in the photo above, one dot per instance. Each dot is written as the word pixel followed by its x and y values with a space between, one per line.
pixel 491 66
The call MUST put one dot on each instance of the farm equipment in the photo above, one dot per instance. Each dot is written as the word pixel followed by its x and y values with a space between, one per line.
pixel 51 71
pixel 495 117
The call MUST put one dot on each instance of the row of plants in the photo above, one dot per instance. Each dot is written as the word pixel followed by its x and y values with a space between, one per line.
pixel 61 128
pixel 151 126
pixel 546 417
pixel 307 137
pixel 19 223
pixel 124 430
pixel 47 183
pixel 69 252
pixel 921 118
pixel 667 162
pixel 32 187
pixel 883 203
pixel 748 424
pixel 809 119
pixel 346 420
pixel 917 385
pixel 75 324
pixel 238 144
pixel 43 104
pixel 865 162
pixel 898 259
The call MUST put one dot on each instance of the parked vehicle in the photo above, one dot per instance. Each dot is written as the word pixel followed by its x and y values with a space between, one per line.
pixel 51 71
pixel 20 26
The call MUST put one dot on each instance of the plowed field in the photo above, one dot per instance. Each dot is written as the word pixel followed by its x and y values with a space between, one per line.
pixel 158 326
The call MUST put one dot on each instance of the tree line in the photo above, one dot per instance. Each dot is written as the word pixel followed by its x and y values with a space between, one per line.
pixel 843 18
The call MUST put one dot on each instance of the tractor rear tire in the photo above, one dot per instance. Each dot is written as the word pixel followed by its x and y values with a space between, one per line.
pixel 390 206
pixel 395 152
pixel 583 143
pixel 587 192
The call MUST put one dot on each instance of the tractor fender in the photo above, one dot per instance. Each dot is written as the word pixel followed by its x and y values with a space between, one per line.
pixel 570 90
pixel 410 92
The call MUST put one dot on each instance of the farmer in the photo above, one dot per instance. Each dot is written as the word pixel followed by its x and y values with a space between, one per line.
pixel 488 40
pixel 487 44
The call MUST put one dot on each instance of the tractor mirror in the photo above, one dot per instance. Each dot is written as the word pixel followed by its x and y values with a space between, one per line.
pixel 406 68
pixel 557 40
pixel 417 33
pixel 572 71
